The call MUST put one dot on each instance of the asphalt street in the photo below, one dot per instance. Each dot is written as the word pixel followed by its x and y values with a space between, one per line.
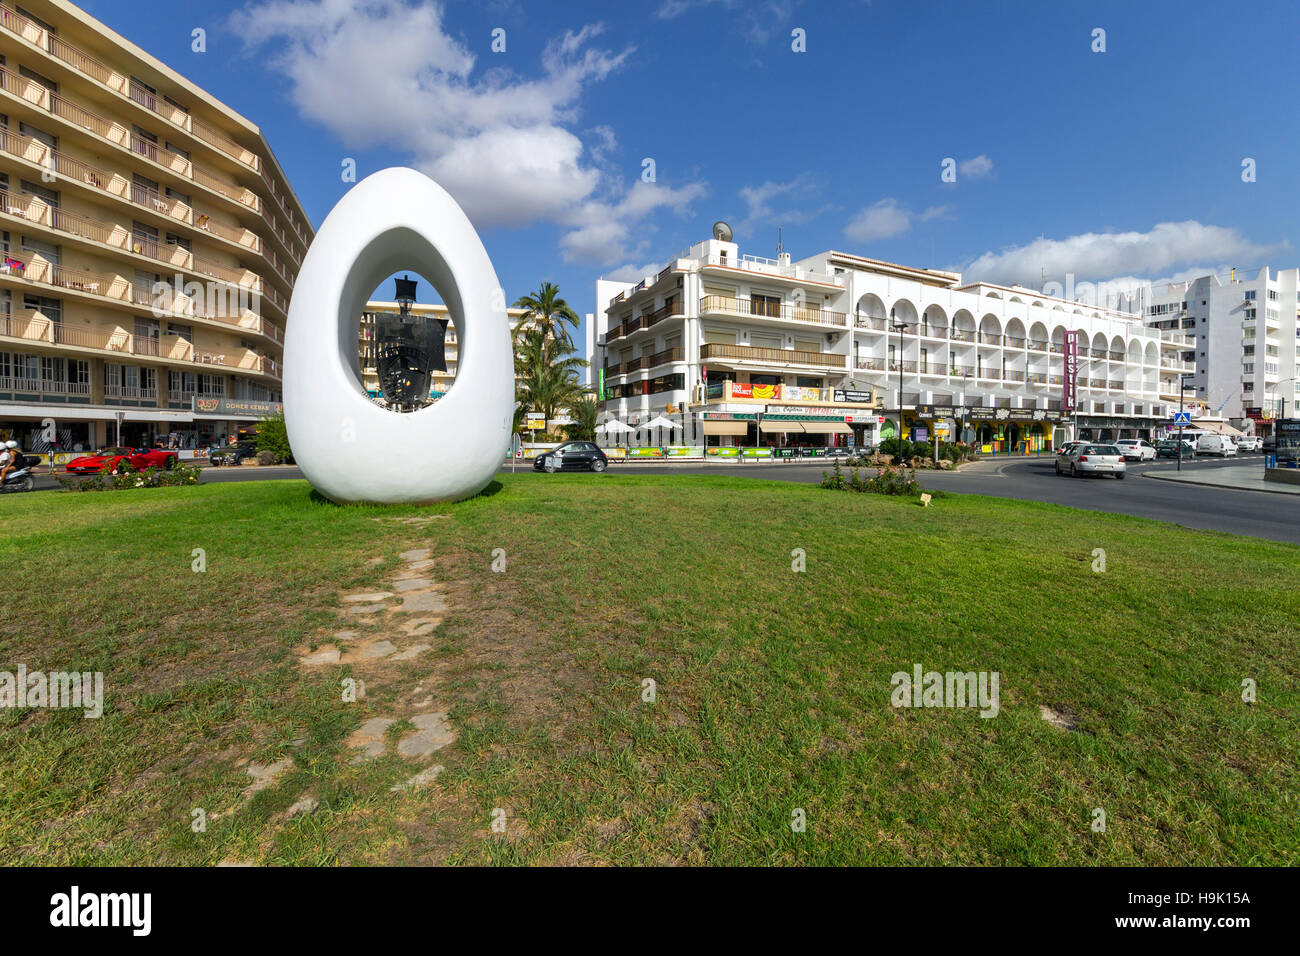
pixel 1258 514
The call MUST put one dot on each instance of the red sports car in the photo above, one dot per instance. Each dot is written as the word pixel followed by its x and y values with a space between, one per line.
pixel 118 457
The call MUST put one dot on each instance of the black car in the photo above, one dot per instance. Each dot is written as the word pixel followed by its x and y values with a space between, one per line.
pixel 572 456
pixel 233 454
pixel 1170 448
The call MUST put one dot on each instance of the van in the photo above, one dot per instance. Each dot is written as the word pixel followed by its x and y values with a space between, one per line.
pixel 1216 445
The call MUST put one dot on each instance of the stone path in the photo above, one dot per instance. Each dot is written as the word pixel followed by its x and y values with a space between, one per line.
pixel 386 622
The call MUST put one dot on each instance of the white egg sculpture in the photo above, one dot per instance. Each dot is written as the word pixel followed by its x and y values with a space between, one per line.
pixel 348 447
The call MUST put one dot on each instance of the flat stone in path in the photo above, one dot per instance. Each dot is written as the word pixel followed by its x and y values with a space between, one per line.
pixel 424 625
pixel 422 779
pixel 422 601
pixel 329 655
pixel 346 636
pixel 431 733
pixel 420 565
pixel 369 738
pixel 412 584
pixel 303 806
pixel 365 609
pixel 410 652
pixel 378 649
pixel 265 775
pixel 417 554
pixel 368 596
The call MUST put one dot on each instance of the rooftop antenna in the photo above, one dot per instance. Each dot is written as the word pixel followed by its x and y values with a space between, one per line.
pixel 721 231
pixel 780 246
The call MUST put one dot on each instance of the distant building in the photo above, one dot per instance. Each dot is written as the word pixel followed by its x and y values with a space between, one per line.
pixel 1246 340
pixel 750 350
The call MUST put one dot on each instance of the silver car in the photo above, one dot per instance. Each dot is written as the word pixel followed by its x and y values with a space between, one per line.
pixel 1091 459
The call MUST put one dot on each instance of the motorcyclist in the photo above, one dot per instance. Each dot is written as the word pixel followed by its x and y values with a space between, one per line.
pixel 9 459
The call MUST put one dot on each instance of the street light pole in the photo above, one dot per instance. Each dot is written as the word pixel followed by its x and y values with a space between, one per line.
pixel 899 327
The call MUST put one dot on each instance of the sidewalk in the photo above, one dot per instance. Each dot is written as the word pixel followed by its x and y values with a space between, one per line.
pixel 1244 477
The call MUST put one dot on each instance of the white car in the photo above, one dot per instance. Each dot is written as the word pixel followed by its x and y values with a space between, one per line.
pixel 1136 449
pixel 1216 445
pixel 1249 443
pixel 1091 459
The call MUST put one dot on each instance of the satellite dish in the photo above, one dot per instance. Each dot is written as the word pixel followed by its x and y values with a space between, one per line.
pixel 721 231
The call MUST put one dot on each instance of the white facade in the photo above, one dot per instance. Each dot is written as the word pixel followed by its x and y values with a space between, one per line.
pixel 830 319
pixel 1247 339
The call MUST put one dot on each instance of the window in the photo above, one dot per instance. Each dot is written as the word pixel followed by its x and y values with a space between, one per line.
pixel 1272 295
pixel 764 304
pixel 1250 295
pixel 49 139
pixel 37 78
pixel 143 93
pixel 47 251
pixel 175 240
pixel 52 309
pixel 184 331
pixel 177 194
pixel 143 190
pixel 144 142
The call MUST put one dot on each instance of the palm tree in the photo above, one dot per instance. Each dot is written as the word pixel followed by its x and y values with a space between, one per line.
pixel 545 310
pixel 584 413
pixel 546 373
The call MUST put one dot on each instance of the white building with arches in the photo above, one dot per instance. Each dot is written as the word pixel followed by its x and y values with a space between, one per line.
pixel 716 333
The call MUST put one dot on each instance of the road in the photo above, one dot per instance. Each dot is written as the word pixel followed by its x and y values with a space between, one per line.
pixel 1257 514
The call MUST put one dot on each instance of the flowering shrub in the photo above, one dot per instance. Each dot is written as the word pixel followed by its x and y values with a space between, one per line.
pixel 127 477
pixel 887 481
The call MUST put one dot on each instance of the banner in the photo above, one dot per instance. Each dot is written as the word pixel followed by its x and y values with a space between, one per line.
pixel 1070 398
pixel 218 407
pixel 750 390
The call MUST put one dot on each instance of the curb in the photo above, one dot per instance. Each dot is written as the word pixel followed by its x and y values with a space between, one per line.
pixel 1212 484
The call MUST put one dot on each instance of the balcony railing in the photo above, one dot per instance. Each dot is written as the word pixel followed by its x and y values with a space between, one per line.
pixel 772 356
pixel 870 364
pixel 1036 345
pixel 773 310
pixel 870 322
pixel 43 386
pixel 963 335
pixel 989 338
pixel 677 354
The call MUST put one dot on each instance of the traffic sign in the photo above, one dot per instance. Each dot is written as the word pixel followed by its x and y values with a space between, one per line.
pixel 1182 418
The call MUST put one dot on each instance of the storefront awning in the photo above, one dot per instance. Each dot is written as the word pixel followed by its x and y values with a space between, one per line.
pixel 827 428
pixel 1218 428
pixel 725 428
pixel 779 426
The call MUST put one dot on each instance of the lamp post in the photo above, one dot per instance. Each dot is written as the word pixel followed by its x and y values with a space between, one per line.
pixel 899 327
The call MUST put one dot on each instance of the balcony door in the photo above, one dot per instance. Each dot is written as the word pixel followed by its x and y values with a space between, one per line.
pixel 769 305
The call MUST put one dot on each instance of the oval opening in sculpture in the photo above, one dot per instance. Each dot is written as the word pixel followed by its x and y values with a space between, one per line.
pixel 349 448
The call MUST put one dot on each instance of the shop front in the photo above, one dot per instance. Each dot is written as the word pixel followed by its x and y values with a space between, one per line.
pixel 992 430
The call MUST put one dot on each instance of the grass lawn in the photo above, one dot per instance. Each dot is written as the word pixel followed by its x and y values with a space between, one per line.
pixel 773 686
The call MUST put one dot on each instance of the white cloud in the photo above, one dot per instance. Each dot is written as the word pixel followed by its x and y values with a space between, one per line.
pixel 757 21
pixel 631 273
pixel 760 201
pixel 977 168
pixel 386 74
pixel 888 218
pixel 603 231
pixel 1092 255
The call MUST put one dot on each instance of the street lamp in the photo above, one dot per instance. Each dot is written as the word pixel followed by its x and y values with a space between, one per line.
pixel 899 327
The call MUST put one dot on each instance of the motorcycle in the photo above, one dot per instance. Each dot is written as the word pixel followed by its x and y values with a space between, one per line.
pixel 20 479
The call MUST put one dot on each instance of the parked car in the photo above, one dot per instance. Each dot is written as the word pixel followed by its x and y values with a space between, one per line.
pixel 1170 447
pixel 1136 449
pixel 1090 459
pixel 572 456
pixel 1270 444
pixel 1249 443
pixel 1216 445
pixel 233 454
pixel 1068 447
pixel 119 458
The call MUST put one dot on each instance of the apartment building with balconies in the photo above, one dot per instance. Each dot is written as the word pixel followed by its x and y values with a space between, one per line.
pixel 741 349
pixel 1246 341
pixel 150 243
pixel 831 335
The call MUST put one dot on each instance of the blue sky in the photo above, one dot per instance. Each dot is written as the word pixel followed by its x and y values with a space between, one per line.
pixel 1126 162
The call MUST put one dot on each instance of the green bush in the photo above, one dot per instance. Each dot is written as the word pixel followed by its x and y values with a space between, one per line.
pixel 272 436
pixel 265 458
pixel 888 481
pixel 922 449
pixel 128 478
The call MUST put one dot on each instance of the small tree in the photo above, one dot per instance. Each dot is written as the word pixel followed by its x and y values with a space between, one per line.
pixel 584 413
pixel 273 436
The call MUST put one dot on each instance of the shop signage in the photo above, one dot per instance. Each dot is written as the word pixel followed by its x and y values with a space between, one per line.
pixel 725 452
pixel 750 390
pixel 852 395
pixel 1071 370
pixel 217 407
pixel 805 410
pixel 987 413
